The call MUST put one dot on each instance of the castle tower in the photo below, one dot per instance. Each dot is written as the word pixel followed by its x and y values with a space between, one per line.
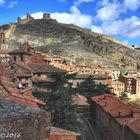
pixel 46 16
pixel 28 16
pixel 18 19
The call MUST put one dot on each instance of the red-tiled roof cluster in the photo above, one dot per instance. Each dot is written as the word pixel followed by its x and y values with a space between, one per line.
pixel 25 100
pixel 71 69
pixel 44 68
pixel 56 62
pixel 23 97
pixel 122 112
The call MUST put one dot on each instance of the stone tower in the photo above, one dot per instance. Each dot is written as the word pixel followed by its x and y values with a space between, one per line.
pixel 18 19
pixel 46 16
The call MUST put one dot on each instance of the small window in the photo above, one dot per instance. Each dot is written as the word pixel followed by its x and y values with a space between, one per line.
pixel 12 67
pixel 78 83
pixel 19 79
pixel 21 58
pixel 14 58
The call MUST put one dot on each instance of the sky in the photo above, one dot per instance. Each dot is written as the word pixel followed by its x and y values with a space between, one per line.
pixel 117 18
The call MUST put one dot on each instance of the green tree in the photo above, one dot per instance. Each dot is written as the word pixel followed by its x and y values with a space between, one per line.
pixel 124 95
pixel 103 89
pixel 63 113
pixel 89 88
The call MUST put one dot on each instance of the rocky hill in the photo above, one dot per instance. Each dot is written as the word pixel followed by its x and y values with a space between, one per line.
pixel 77 45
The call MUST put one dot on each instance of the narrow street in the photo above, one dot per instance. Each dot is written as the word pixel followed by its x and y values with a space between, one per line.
pixel 86 129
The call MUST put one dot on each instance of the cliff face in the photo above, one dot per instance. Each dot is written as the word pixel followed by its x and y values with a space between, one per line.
pixel 74 43
pixel 22 123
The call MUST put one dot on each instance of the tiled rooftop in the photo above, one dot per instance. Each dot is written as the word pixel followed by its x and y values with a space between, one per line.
pixel 44 68
pixel 69 68
pixel 25 100
pixel 121 111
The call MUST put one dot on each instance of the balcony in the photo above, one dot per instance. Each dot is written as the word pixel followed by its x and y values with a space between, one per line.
pixel 41 90
pixel 42 80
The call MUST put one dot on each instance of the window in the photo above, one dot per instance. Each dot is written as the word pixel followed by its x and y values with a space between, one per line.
pixel 78 83
pixel 14 58
pixel 21 58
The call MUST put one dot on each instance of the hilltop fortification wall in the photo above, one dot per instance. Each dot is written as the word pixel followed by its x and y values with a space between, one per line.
pixel 25 20
pixel 30 18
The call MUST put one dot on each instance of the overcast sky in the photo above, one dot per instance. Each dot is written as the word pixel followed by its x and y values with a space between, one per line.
pixel 118 18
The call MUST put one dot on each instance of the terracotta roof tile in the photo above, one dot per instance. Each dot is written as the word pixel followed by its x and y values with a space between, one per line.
pixel 121 111
pixel 44 68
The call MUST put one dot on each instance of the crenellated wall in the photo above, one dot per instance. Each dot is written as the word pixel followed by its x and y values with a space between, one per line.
pixel 25 20
pixel 30 18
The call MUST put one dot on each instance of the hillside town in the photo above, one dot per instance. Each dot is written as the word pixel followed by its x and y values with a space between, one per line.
pixel 28 77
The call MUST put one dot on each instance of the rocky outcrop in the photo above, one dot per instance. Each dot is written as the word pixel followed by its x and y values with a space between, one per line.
pixel 72 42
pixel 22 123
